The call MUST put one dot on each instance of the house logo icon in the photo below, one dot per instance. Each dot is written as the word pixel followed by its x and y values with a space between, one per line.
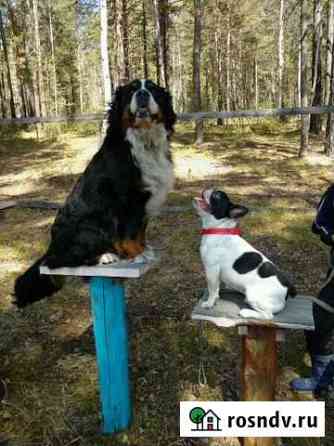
pixel 205 421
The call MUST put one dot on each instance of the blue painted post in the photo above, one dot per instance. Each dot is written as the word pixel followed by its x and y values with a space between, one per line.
pixel 111 340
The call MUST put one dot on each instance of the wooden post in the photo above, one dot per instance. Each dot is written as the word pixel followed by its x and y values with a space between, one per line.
pixel 259 371
pixel 111 339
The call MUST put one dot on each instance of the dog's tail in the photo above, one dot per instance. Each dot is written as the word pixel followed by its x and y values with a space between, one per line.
pixel 292 291
pixel 32 286
pixel 286 281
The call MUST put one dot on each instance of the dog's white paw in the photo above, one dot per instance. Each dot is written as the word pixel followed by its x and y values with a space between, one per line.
pixel 253 314
pixel 147 256
pixel 108 257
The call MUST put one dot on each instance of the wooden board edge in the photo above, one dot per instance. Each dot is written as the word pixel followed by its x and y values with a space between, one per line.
pixel 98 271
pixel 230 323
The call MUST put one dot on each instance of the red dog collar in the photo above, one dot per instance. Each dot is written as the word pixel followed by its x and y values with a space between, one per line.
pixel 221 231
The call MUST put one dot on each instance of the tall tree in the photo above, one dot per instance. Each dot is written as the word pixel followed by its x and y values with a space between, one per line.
pixel 164 19
pixel 9 78
pixel 145 61
pixel 158 44
pixel 329 49
pixel 38 52
pixel 228 59
pixel 197 52
pixel 107 88
pixel 53 60
pixel 329 141
pixel 280 64
pixel 125 40
pixel 305 119
pixel 315 121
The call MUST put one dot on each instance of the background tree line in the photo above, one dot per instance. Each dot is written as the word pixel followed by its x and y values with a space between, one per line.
pixel 66 56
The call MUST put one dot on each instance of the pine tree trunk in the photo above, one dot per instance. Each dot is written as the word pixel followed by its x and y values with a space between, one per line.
pixel 145 63
pixel 315 120
pixel 329 61
pixel 228 64
pixel 256 84
pixel 39 59
pixel 30 66
pixel 217 63
pixel 197 50
pixel 329 141
pixel 158 44
pixel 104 53
pixel 125 41
pixel 9 79
pixel 163 13
pixel 2 97
pixel 16 59
pixel 53 60
pixel 122 50
pixel 329 49
pixel 299 75
pixel 305 120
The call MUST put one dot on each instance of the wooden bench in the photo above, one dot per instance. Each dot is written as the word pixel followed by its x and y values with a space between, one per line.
pixel 259 369
pixel 111 335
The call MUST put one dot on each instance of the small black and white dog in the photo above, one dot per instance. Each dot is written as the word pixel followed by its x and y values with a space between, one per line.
pixel 126 182
pixel 228 258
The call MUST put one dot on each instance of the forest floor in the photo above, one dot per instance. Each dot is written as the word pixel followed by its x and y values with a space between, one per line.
pixel 47 351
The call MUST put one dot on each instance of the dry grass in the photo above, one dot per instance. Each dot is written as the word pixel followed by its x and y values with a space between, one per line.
pixel 47 351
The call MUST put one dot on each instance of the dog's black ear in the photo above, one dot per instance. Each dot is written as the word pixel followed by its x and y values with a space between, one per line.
pixel 219 204
pixel 237 211
pixel 168 111
pixel 115 112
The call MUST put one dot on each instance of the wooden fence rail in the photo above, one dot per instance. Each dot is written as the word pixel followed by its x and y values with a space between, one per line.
pixel 182 116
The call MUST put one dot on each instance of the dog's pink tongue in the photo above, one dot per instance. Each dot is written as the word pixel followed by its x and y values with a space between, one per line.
pixel 202 203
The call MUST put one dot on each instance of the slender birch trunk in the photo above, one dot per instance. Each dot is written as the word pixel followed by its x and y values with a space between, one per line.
pixel 316 98
pixel 280 64
pixel 104 53
pixel 197 50
pixel 305 120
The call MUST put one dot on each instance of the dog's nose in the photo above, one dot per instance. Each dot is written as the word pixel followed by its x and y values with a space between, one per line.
pixel 142 97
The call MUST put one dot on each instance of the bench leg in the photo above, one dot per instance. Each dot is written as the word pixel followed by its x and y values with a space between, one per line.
pixel 111 340
pixel 259 371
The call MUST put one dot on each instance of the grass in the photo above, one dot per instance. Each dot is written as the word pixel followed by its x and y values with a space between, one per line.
pixel 47 351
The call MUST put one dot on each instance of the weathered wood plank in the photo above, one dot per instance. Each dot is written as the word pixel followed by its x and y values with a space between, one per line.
pixel 199 116
pixel 296 315
pixel 120 269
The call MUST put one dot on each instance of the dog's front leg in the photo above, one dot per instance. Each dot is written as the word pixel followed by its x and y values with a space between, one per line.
pixel 213 279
